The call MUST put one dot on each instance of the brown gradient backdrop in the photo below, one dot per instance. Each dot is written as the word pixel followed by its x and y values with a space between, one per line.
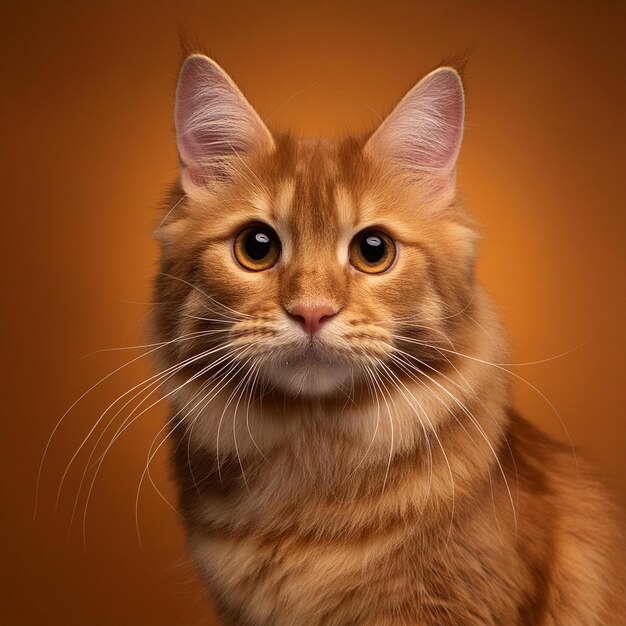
pixel 86 108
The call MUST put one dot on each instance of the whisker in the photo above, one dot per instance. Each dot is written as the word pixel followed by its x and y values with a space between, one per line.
pixel 152 380
pixel 398 382
pixel 443 318
pixel 503 367
pixel 373 392
pixel 158 346
pixel 152 453
pixel 480 429
pixel 232 371
pixel 238 314
pixel 476 396
pixel 170 212
pixel 243 390
pixel 219 426
pixel 128 422
pixel 189 336
pixel 379 382
pixel 256 375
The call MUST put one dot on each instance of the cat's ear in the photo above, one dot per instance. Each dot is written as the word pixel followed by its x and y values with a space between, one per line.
pixel 215 125
pixel 422 135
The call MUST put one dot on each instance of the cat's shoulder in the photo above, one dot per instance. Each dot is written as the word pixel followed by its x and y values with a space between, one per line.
pixel 559 478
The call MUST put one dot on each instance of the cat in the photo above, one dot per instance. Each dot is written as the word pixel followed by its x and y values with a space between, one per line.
pixel 343 436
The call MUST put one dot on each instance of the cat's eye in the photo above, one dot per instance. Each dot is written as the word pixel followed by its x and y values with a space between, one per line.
pixel 372 251
pixel 257 248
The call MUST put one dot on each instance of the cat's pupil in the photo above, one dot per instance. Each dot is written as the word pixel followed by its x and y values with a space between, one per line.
pixel 373 248
pixel 258 245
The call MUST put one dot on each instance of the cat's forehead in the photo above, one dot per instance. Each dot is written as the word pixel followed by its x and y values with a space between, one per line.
pixel 318 187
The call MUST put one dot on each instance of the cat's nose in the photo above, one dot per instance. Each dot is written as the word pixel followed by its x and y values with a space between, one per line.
pixel 312 316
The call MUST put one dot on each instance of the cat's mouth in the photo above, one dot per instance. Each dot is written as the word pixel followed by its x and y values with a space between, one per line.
pixel 312 355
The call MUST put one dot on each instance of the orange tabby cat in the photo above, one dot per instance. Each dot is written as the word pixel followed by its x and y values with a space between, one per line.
pixel 344 440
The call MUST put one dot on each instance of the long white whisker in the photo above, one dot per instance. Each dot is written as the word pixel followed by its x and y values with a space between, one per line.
pixel 380 385
pixel 373 392
pixel 468 387
pixel 170 211
pixel 397 382
pixel 503 367
pixel 219 426
pixel 128 423
pixel 228 376
pixel 256 375
pixel 146 384
pixel 158 346
pixel 237 314
pixel 246 380
pixel 480 429
pixel 152 453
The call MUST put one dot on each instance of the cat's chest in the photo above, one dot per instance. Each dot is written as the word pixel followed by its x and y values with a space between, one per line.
pixel 289 579
pixel 312 560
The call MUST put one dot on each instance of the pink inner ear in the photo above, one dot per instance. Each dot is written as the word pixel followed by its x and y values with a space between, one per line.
pixel 213 120
pixel 423 133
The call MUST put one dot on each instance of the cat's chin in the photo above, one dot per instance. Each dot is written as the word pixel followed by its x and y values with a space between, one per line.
pixel 309 377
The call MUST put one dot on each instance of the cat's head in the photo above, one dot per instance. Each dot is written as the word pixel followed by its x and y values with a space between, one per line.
pixel 312 265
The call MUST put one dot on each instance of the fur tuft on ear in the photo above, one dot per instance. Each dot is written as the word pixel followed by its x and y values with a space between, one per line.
pixel 215 124
pixel 422 135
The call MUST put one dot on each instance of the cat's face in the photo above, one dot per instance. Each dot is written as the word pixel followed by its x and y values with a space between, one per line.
pixel 312 265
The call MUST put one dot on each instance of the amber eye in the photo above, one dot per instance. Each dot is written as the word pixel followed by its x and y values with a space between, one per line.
pixel 257 248
pixel 372 251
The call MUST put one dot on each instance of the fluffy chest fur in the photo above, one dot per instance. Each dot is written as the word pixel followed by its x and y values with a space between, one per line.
pixel 405 574
pixel 305 551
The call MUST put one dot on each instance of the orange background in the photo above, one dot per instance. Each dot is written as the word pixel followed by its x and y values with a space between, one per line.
pixel 86 113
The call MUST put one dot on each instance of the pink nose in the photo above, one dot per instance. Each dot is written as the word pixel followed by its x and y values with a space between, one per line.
pixel 312 316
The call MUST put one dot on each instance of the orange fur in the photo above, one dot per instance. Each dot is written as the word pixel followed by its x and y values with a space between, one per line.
pixel 387 481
